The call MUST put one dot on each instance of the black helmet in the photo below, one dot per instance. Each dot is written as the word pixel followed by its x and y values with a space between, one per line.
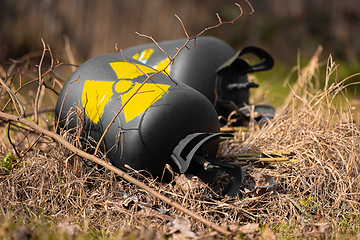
pixel 213 68
pixel 163 122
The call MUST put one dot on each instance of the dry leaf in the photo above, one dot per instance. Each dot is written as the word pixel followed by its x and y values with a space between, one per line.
pixel 148 212
pixel 187 182
pixel 260 183
pixel 264 181
pixel 180 229
pixel 251 228
pixel 321 230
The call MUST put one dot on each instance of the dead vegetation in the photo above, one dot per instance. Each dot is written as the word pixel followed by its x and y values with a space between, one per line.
pixel 318 185
pixel 307 195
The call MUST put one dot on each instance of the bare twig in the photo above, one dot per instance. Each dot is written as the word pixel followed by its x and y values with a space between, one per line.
pixel 14 98
pixel 29 148
pixel 183 26
pixel 62 103
pixel 36 79
pixel 10 141
pixel 120 110
pixel 229 22
pixel 41 80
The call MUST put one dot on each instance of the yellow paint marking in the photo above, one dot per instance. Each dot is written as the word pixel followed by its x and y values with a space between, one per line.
pixel 145 55
pixel 147 95
pixel 95 95
pixel 136 56
pixel 123 86
pixel 129 70
pixel 162 64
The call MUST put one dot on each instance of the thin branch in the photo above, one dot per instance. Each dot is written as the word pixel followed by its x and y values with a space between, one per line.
pixel 14 98
pixel 10 141
pixel 123 106
pixel 152 39
pixel 120 110
pixel 41 80
pixel 183 26
pixel 112 168
pixel 229 22
pixel 29 148
pixel 62 103
pixel 36 79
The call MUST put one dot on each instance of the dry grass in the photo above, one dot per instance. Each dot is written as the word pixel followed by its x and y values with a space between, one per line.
pixel 319 184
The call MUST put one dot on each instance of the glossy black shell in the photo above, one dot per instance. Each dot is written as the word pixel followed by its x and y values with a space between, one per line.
pixel 195 66
pixel 211 66
pixel 147 130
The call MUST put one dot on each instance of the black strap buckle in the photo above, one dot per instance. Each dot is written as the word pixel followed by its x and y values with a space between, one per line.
pixel 208 164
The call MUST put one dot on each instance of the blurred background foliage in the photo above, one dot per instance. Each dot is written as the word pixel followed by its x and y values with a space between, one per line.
pixel 285 28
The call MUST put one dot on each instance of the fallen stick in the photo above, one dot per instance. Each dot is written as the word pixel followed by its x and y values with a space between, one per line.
pixel 119 172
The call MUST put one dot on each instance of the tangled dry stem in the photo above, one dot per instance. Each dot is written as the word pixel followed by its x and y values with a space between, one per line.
pixel 321 180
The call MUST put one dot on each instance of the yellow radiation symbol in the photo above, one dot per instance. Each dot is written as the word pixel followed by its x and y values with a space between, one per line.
pixel 97 93
pixel 144 56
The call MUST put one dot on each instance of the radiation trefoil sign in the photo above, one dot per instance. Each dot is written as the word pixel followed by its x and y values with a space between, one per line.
pixel 97 93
